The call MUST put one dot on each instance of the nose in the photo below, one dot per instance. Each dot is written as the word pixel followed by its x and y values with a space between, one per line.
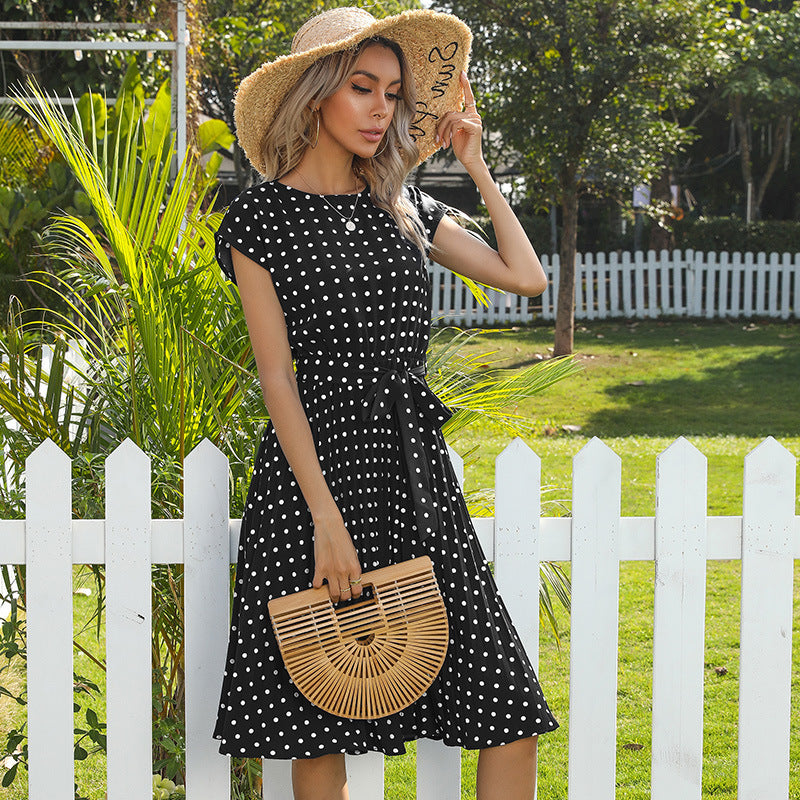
pixel 381 107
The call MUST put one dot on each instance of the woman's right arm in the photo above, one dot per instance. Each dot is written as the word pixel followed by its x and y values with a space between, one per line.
pixel 335 558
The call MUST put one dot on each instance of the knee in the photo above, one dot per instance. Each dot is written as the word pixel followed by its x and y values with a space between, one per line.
pixel 332 762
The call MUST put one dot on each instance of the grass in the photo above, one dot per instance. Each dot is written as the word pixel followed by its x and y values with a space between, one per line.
pixel 725 386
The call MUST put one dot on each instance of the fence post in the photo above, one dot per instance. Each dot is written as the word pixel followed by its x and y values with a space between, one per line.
pixel 765 661
pixel 48 595
pixel 594 622
pixel 207 578
pixel 678 624
pixel 129 671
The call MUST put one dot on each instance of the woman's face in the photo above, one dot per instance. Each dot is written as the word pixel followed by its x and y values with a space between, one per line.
pixel 355 117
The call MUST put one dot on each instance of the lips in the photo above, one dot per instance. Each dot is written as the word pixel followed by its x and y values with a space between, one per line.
pixel 372 135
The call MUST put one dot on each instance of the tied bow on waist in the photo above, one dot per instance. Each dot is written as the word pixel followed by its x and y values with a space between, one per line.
pixel 401 390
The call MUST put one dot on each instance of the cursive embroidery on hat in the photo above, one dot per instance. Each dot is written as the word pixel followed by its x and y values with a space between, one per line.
pixel 444 57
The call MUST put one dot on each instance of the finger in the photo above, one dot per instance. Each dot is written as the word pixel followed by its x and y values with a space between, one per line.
pixel 317 582
pixel 469 97
pixel 345 593
pixel 333 590
pixel 355 587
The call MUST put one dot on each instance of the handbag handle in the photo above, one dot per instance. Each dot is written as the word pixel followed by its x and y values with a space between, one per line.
pixel 362 618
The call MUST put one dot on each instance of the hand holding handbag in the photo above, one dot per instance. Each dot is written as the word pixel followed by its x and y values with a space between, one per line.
pixel 372 656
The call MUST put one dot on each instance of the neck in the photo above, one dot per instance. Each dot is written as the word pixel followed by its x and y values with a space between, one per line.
pixel 327 172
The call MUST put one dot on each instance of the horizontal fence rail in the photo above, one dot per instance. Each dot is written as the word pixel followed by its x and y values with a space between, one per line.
pixel 639 286
pixel 680 538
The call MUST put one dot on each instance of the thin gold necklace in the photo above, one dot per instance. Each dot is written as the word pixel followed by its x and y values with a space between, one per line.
pixel 348 221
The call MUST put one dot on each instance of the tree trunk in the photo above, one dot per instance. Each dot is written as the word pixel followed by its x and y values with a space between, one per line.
pixel 745 151
pixel 784 127
pixel 661 235
pixel 565 313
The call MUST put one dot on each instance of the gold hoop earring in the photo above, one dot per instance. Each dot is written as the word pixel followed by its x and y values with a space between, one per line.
pixel 375 155
pixel 315 112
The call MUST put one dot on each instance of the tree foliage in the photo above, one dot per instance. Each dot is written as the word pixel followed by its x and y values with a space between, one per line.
pixel 579 92
pixel 763 92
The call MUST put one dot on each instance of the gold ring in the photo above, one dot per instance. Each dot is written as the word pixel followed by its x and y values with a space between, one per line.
pixel 345 589
pixel 354 582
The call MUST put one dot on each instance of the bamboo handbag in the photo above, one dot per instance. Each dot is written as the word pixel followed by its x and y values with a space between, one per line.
pixel 373 656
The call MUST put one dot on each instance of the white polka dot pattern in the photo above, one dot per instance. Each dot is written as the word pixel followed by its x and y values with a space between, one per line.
pixel 357 311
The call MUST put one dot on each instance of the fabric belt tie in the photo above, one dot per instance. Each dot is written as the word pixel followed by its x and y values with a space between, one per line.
pixel 403 391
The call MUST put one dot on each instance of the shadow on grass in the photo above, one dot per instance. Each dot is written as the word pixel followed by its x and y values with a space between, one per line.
pixel 753 396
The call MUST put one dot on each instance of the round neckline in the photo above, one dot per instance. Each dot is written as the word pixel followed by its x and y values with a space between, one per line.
pixel 312 194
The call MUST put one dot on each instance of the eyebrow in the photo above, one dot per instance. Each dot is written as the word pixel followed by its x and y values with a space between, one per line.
pixel 373 77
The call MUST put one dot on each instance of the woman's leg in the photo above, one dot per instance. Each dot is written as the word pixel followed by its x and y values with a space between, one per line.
pixel 508 771
pixel 322 778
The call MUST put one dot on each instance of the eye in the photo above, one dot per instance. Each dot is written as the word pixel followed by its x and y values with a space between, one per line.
pixel 395 97
pixel 358 88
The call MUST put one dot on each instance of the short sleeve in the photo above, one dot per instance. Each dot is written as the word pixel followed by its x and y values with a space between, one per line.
pixel 242 227
pixel 430 211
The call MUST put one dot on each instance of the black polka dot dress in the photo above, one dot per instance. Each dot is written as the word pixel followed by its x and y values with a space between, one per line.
pixel 357 310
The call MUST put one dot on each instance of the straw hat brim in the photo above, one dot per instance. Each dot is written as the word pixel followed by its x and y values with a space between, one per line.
pixel 436 46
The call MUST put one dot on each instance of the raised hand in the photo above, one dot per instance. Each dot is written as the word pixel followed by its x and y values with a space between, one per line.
pixel 462 129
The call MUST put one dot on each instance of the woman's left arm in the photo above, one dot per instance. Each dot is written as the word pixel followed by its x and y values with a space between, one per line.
pixel 514 266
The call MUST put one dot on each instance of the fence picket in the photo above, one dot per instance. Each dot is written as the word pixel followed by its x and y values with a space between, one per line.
pixel 761 284
pixel 680 305
pixel 773 275
pixel 48 588
pixel 652 283
pixel 580 273
pixel 547 295
pixel 516 537
pixel 703 285
pixel 786 285
pixel 765 662
pixel 638 273
pixel 602 286
pixel 129 668
pixel 722 302
pixel 678 624
pixel 365 776
pixel 439 766
pixel 710 292
pixel 596 493
pixel 613 284
pixel 556 283
pixel 748 272
pixel 276 778
pixel 207 580
pixel 590 277
pixel 796 302
pixel 626 271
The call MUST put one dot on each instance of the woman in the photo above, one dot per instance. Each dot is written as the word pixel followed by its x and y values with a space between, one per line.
pixel 328 257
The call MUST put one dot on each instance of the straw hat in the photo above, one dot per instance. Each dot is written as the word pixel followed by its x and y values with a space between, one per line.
pixel 436 46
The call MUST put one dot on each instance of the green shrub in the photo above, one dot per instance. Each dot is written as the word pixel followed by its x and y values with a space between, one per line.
pixel 733 234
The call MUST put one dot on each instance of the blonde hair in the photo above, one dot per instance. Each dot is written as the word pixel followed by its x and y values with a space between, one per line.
pixel 289 134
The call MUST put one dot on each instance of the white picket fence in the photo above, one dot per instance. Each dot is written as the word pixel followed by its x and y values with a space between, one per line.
pixel 680 538
pixel 641 286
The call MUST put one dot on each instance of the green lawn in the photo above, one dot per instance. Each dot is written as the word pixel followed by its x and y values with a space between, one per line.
pixel 725 386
